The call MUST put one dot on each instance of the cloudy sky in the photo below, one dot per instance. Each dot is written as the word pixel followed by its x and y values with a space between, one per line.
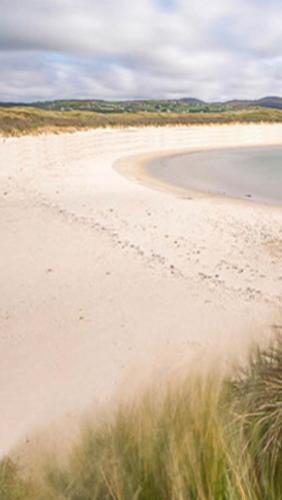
pixel 117 49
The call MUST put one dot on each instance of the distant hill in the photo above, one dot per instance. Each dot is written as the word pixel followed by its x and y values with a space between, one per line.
pixel 191 100
pixel 266 102
pixel 183 106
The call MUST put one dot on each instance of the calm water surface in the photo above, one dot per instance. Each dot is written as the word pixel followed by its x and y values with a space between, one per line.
pixel 253 173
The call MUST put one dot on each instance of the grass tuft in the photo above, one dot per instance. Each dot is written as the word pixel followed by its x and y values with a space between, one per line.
pixel 258 396
pixel 12 485
pixel 207 438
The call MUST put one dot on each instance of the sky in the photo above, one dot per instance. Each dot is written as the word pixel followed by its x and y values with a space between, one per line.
pixel 125 49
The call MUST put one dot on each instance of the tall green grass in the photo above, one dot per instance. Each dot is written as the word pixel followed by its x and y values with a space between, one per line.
pixel 204 438
pixel 257 394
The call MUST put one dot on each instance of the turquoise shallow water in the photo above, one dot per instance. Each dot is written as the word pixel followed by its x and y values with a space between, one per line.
pixel 253 173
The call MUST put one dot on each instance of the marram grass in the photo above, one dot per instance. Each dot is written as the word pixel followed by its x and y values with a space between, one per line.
pixel 204 438
pixel 18 120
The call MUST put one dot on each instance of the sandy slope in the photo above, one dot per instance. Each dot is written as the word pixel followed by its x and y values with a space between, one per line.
pixel 103 279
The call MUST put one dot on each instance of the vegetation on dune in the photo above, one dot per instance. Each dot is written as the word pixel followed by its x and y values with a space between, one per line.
pixel 258 399
pixel 27 119
pixel 12 485
pixel 201 439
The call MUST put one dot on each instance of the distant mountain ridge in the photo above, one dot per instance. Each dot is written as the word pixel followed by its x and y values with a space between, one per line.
pixel 265 102
pixel 181 105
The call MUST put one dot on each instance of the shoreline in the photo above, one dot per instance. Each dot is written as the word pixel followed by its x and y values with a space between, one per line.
pixel 106 282
pixel 135 168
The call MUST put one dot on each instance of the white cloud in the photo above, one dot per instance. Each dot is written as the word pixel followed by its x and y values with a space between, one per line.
pixel 121 48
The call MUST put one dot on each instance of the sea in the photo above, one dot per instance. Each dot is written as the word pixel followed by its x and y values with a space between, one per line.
pixel 252 173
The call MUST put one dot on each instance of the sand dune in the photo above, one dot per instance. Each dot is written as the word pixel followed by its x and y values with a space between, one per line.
pixel 103 279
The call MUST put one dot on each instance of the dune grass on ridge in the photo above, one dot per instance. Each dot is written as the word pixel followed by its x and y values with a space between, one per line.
pixel 204 438
pixel 18 120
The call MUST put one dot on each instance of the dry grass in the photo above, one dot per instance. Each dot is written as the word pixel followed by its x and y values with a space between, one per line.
pixel 24 120
pixel 201 439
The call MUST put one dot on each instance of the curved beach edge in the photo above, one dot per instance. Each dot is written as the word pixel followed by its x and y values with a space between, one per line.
pixel 135 168
pixel 107 283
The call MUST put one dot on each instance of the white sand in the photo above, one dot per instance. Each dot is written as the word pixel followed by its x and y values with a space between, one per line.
pixel 103 279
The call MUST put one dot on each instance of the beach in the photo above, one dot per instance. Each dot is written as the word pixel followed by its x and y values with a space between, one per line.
pixel 108 276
